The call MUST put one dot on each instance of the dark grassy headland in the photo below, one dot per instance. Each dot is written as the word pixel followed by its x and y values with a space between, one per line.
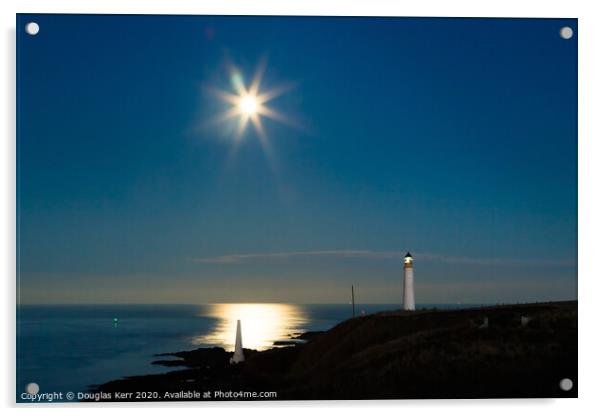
pixel 425 354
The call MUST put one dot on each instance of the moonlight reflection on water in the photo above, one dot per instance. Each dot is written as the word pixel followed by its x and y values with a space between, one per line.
pixel 262 324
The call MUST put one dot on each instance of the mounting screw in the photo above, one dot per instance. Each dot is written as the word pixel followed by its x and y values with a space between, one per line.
pixel 32 388
pixel 566 384
pixel 32 28
pixel 566 32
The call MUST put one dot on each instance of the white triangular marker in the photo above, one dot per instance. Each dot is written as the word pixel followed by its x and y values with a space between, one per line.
pixel 238 356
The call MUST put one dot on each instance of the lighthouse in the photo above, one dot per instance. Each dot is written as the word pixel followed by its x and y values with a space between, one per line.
pixel 408 283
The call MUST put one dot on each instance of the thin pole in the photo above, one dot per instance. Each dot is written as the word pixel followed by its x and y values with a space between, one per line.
pixel 353 300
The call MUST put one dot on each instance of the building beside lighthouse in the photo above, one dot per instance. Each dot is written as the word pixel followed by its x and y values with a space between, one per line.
pixel 408 283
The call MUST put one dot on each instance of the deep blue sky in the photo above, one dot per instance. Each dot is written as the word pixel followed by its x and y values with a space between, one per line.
pixel 455 139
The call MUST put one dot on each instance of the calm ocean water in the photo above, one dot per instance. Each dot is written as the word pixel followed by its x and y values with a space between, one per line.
pixel 70 348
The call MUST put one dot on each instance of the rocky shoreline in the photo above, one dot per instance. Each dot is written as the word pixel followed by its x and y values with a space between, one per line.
pixel 498 352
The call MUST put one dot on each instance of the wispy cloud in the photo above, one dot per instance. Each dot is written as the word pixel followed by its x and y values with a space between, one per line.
pixel 497 261
pixel 370 254
pixel 238 258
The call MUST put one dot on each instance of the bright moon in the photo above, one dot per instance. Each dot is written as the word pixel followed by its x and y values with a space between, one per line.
pixel 248 105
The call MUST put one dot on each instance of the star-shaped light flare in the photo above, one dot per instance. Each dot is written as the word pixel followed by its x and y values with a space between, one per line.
pixel 249 103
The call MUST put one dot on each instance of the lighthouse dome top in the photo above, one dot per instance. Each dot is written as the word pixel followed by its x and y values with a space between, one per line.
pixel 408 254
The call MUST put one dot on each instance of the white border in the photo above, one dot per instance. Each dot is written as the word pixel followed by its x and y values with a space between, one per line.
pixel 590 202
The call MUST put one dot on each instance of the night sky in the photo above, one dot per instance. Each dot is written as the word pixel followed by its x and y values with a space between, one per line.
pixel 455 139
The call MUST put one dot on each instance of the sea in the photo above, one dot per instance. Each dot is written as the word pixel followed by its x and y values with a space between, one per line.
pixel 71 348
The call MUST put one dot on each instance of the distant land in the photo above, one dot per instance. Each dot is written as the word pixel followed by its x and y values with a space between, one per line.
pixel 509 351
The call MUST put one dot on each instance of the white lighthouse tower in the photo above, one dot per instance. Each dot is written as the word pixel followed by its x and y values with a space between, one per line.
pixel 408 283
pixel 238 355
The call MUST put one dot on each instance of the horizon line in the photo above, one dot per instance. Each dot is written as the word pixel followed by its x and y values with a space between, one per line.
pixel 290 303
